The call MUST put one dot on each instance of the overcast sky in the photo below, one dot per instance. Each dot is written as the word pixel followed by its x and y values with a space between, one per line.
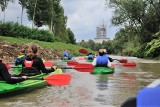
pixel 83 17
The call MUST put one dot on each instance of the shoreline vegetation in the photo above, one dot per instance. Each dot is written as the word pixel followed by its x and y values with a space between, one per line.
pixel 47 50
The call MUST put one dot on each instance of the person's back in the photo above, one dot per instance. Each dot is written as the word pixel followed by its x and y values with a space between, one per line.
pixel 65 54
pixel 4 74
pixel 69 56
pixel 90 56
pixel 35 62
pixel 102 60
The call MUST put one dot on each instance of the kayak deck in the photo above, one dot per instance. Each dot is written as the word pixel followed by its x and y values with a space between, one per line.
pixel 102 70
pixel 27 84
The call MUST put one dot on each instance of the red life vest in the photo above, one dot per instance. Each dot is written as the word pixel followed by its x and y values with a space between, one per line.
pixel 28 63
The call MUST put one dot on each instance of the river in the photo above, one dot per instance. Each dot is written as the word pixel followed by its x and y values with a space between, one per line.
pixel 88 90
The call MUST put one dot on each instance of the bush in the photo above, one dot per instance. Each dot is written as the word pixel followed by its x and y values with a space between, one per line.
pixel 11 29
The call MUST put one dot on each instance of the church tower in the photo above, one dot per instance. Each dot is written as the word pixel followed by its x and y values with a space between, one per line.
pixel 101 34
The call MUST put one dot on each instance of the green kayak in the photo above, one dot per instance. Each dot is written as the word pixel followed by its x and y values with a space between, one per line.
pixel 18 70
pixel 102 70
pixel 27 84
pixel 89 60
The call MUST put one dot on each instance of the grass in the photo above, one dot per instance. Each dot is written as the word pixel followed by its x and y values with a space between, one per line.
pixel 73 49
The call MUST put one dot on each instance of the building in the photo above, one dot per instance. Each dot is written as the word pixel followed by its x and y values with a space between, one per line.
pixel 101 34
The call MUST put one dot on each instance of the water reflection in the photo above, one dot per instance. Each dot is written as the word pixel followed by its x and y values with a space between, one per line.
pixel 102 82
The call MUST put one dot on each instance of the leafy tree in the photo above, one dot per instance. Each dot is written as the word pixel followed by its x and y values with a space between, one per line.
pixel 144 15
pixel 71 36
pixel 23 4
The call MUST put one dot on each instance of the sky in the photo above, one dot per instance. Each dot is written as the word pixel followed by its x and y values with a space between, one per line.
pixel 83 17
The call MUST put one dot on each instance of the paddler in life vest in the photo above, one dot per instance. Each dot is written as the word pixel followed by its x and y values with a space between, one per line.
pixel 90 56
pixel 32 60
pixel 65 55
pixel 102 60
pixel 5 75
pixel 69 56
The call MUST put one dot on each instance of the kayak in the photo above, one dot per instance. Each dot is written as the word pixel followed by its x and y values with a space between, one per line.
pixel 18 70
pixel 66 60
pixel 89 60
pixel 102 70
pixel 27 84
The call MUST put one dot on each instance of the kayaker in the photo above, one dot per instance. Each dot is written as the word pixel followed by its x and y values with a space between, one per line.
pixel 5 75
pixel 146 97
pixel 102 60
pixel 36 62
pixel 69 56
pixel 90 56
pixel 19 60
pixel 65 55
pixel 110 59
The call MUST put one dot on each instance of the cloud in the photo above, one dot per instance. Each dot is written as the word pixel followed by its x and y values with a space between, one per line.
pixel 83 17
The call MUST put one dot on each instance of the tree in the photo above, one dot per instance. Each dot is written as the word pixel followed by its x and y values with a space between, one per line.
pixel 71 36
pixel 3 5
pixel 144 15
pixel 23 4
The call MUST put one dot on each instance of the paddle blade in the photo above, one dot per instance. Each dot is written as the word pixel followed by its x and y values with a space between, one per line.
pixel 82 58
pixel 84 67
pixel 58 79
pixel 48 63
pixel 72 63
pixel 122 60
pixel 83 51
pixel 130 64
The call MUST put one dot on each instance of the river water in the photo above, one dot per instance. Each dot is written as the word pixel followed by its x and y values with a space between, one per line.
pixel 88 90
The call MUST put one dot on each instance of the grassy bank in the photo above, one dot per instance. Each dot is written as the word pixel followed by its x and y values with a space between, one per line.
pixel 47 45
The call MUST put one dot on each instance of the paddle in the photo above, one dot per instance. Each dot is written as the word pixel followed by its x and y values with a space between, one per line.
pixel 121 60
pixel 72 63
pixel 83 51
pixel 128 64
pixel 54 79
pixel 79 67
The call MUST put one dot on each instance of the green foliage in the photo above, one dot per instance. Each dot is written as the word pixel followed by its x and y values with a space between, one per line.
pixel 141 14
pixel 71 36
pixel 129 49
pixel 50 13
pixel 19 31
pixel 153 49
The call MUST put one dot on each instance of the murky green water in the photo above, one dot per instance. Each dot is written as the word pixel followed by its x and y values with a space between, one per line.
pixel 88 90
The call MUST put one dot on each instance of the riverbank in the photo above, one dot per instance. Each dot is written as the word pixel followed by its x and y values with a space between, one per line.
pixel 47 50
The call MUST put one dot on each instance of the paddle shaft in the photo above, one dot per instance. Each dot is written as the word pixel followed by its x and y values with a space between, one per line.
pixel 27 78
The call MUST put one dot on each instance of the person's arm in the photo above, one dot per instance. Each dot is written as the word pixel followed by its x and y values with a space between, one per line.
pixel 94 62
pixel 110 65
pixel 42 67
pixel 7 77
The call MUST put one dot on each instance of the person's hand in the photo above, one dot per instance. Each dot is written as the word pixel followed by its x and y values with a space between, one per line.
pixel 25 77
pixel 54 67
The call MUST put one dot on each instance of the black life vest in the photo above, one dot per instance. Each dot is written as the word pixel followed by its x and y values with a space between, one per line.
pixel 28 70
